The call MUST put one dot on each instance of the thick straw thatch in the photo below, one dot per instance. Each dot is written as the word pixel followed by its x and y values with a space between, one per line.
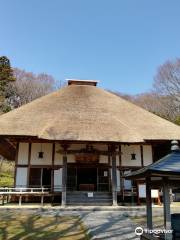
pixel 87 113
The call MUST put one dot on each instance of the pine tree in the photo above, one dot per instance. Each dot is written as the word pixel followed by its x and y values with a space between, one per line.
pixel 6 76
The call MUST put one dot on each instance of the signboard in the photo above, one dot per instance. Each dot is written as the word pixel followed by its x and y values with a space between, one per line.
pixel 154 193
pixel 142 191
pixel 86 157
pixel 90 194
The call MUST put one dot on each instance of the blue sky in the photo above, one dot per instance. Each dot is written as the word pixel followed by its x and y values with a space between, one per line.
pixel 119 42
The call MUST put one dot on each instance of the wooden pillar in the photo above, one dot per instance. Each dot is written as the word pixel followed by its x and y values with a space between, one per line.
pixel 142 155
pixel 52 171
pixel 20 200
pixel 114 178
pixel 109 168
pixel 166 203
pixel 149 204
pixel 64 179
pixel 42 200
pixel 97 172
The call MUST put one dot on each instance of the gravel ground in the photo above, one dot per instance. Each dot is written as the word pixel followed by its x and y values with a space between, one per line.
pixel 115 225
pixel 111 225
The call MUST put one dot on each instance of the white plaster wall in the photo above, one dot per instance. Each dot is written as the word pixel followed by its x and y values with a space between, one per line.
pixel 71 158
pixel 21 177
pixel 147 153
pixel 58 180
pixel 23 153
pixel 126 155
pixel 103 159
pixel 46 148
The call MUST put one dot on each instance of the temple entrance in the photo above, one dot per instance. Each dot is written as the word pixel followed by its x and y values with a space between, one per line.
pixel 46 177
pixel 86 179
pixel 94 179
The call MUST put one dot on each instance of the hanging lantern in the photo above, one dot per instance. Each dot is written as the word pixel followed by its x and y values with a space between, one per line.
pixel 41 153
pixel 133 155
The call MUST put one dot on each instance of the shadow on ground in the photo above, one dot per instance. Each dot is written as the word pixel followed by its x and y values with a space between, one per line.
pixel 23 225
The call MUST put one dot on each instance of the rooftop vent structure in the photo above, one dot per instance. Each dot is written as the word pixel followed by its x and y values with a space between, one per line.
pixel 82 82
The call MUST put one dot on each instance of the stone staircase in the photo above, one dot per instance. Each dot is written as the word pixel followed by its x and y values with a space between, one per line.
pixel 82 199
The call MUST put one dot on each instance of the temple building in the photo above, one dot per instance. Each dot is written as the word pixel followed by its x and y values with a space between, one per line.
pixel 80 141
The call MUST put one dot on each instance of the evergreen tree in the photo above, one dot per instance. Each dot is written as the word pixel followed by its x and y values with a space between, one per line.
pixel 6 76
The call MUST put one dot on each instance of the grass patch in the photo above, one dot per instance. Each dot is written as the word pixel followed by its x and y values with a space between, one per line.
pixel 6 173
pixel 28 226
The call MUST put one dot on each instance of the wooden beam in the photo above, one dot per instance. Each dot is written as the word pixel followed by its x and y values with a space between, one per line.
pixel 127 167
pixel 149 204
pixel 34 139
pixel 88 165
pixel 99 152
pixel 7 150
pixel 166 203
pixel 45 166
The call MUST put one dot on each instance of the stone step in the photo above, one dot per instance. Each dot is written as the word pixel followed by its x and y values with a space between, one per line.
pixel 96 194
pixel 89 204
pixel 81 198
pixel 85 196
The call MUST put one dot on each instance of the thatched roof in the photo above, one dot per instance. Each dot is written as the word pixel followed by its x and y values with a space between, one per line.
pixel 86 113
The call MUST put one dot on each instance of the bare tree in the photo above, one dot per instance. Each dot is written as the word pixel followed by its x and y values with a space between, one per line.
pixel 167 80
pixel 160 105
pixel 164 99
pixel 28 87
pixel 167 87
